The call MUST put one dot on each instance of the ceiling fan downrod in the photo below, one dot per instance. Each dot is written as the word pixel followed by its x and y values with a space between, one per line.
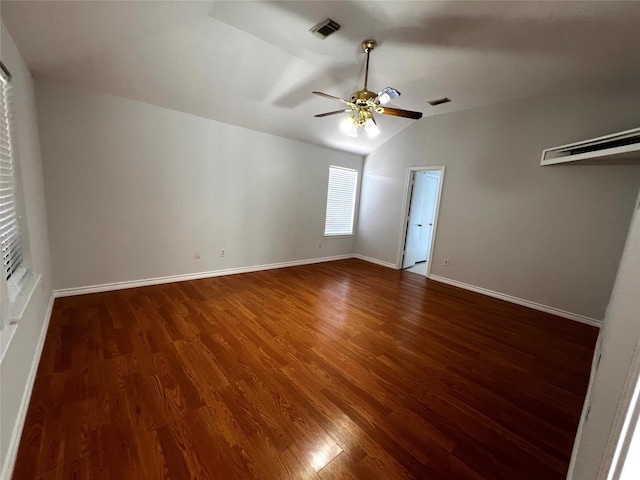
pixel 367 46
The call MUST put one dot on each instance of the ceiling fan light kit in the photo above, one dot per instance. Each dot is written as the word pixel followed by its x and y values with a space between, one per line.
pixel 364 103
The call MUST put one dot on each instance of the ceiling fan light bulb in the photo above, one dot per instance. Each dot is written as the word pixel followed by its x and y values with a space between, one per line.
pixel 349 126
pixel 371 128
pixel 353 132
pixel 345 124
pixel 384 98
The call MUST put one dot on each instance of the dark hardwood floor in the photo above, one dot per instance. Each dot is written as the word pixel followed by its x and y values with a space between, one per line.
pixel 342 370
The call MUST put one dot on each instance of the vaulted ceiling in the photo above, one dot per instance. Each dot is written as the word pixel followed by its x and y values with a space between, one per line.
pixel 255 64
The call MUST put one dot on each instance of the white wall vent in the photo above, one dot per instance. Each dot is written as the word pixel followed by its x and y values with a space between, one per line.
pixel 622 147
pixel 325 28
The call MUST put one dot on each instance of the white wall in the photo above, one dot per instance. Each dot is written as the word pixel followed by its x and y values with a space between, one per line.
pixel 620 336
pixel 133 189
pixel 18 362
pixel 551 235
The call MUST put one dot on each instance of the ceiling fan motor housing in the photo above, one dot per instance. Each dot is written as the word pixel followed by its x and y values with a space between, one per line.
pixel 361 97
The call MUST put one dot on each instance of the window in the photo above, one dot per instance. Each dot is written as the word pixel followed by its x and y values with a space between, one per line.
pixel 341 201
pixel 12 258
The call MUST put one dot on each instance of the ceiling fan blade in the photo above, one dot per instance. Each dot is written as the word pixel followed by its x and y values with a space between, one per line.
pixel 331 113
pixel 397 112
pixel 331 97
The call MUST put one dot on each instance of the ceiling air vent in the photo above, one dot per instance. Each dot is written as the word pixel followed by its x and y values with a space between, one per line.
pixel 439 101
pixel 325 28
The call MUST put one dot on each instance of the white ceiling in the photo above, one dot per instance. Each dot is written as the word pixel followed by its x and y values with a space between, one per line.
pixel 254 64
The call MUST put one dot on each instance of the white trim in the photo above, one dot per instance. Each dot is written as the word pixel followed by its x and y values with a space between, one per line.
pixel 108 287
pixel 374 260
pixel 19 305
pixel 624 424
pixel 14 441
pixel 405 213
pixel 595 363
pixel 6 335
pixel 16 311
pixel 520 301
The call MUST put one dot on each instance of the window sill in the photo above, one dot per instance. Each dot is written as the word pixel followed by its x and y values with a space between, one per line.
pixel 16 311
pixel 340 236
pixel 19 305
pixel 6 334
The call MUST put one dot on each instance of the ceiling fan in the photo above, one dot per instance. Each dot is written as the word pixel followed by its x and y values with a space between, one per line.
pixel 364 103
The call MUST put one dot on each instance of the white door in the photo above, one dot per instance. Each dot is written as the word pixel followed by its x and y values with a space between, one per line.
pixel 413 232
pixel 428 213
pixel 422 210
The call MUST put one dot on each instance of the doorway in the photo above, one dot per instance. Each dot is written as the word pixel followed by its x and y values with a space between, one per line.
pixel 421 213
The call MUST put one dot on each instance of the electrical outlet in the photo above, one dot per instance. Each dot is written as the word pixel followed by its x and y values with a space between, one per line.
pixel 196 254
pixel 446 262
pixel 222 252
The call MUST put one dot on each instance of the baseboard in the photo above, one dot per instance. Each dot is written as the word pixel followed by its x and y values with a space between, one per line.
pixel 14 442
pixel 520 301
pixel 108 287
pixel 374 260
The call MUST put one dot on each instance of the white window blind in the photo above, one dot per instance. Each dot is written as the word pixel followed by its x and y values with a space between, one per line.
pixel 341 201
pixel 9 231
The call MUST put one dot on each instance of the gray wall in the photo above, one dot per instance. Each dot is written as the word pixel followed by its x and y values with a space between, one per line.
pixel 551 235
pixel 133 189
pixel 17 363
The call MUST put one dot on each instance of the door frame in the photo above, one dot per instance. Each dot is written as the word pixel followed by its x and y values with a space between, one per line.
pixel 406 210
pixel 625 423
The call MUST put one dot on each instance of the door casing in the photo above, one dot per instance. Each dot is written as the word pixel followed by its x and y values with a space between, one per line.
pixel 405 213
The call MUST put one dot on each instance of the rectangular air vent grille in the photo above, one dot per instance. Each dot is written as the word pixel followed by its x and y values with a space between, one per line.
pixel 325 28
pixel 439 101
pixel 623 146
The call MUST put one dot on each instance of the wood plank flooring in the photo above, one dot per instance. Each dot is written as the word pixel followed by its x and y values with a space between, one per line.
pixel 342 370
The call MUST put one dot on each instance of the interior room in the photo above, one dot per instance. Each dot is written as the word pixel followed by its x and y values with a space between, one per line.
pixel 319 240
